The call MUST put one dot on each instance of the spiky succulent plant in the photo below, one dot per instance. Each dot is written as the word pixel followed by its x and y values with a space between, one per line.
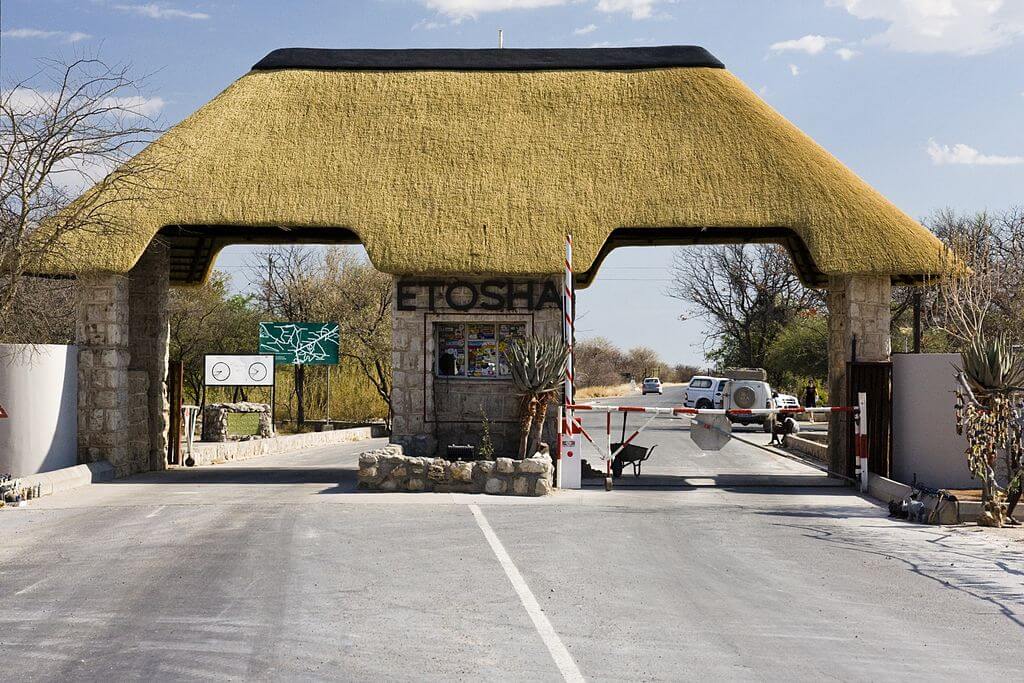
pixel 538 368
pixel 537 364
pixel 993 366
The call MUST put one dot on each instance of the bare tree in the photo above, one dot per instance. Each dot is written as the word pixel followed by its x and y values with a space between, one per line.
pixel 746 293
pixel 71 125
pixel 290 283
pixel 359 297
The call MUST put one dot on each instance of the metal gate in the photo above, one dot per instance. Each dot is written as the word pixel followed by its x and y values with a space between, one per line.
pixel 875 380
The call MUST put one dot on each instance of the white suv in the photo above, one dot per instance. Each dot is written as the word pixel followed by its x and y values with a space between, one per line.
pixel 704 392
pixel 743 394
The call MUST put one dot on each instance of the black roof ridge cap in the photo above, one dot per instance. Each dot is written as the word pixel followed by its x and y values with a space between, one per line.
pixel 490 59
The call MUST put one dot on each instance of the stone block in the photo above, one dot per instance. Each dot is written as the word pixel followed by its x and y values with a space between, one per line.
pixel 462 471
pixel 485 467
pixel 504 465
pixel 535 465
pixel 543 487
pixel 521 486
pixel 416 484
pixel 495 485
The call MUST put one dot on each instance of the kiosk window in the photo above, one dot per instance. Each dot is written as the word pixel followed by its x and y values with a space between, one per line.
pixel 475 349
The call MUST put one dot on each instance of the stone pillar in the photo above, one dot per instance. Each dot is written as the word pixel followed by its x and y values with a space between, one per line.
pixel 859 308
pixel 409 387
pixel 148 337
pixel 102 334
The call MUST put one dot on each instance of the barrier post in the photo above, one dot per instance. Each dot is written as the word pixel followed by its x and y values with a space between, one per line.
pixel 569 443
pixel 862 440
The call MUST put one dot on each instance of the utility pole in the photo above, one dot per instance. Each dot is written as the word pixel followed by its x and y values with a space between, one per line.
pixel 501 39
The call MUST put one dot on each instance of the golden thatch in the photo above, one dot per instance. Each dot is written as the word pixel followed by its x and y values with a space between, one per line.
pixel 485 171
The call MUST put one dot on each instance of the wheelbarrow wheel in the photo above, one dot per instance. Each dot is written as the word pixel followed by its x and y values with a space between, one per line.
pixel 607 483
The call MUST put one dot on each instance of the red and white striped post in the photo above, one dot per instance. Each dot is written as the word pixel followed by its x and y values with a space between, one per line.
pixel 861 440
pixel 569 466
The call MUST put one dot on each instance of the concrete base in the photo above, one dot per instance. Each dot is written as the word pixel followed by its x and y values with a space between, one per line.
pixel 68 478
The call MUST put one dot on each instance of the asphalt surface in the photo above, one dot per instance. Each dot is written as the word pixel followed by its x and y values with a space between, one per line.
pixel 278 569
pixel 677 462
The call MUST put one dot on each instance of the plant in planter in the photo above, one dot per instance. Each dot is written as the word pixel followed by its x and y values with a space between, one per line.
pixel 990 414
pixel 538 368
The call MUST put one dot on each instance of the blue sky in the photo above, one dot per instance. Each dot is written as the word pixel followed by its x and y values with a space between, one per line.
pixel 922 98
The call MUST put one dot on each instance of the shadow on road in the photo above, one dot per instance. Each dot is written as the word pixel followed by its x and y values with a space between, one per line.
pixel 222 474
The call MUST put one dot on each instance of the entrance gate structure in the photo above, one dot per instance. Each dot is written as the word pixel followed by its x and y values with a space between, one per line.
pixel 471 166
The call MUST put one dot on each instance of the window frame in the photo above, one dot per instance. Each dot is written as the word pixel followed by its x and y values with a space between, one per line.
pixel 465 324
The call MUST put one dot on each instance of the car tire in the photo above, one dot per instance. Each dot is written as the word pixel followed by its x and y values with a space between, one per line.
pixel 703 404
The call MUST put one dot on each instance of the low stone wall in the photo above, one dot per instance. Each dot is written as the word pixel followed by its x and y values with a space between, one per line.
pixel 215 419
pixel 807 446
pixel 387 469
pixel 211 453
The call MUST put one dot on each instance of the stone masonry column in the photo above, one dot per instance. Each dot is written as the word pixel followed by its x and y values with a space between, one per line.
pixel 148 339
pixel 858 307
pixel 102 335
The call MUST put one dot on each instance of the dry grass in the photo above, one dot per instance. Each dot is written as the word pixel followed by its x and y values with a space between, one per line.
pixel 479 172
pixel 605 392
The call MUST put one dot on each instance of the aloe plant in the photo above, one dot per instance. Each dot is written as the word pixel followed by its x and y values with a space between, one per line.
pixel 990 416
pixel 538 368
pixel 992 365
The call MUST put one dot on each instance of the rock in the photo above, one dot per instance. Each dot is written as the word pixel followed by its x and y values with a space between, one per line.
pixel 504 465
pixel 462 471
pixel 543 487
pixel 535 465
pixel 399 471
pixel 416 484
pixel 485 466
pixel 369 459
pixel 495 485
pixel 437 470
pixel 388 485
pixel 367 472
pixel 521 486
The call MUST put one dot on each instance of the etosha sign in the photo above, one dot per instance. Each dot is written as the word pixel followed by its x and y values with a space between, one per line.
pixel 488 295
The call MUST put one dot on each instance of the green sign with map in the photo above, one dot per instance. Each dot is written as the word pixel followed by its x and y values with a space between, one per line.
pixel 300 343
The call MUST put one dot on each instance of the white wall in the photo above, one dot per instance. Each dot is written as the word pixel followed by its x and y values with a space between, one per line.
pixel 39 391
pixel 924 438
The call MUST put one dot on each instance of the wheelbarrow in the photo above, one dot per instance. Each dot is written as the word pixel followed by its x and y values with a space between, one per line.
pixel 631 454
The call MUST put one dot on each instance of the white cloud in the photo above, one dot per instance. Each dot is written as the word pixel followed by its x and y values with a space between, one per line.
pixel 638 9
pixel 846 54
pixel 66 36
pixel 584 30
pixel 794 69
pixel 965 27
pixel 811 44
pixel 155 11
pixel 966 155
pixel 428 25
pixel 462 9
pixel 23 100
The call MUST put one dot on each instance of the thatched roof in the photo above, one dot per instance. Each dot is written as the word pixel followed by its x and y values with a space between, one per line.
pixel 480 161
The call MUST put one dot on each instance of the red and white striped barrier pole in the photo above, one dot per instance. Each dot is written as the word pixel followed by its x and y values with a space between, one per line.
pixel 568 326
pixel 569 466
pixel 861 440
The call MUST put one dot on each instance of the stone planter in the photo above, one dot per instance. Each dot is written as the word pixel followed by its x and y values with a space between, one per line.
pixel 215 419
pixel 387 469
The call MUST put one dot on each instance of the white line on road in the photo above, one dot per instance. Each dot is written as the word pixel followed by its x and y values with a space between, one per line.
pixel 154 513
pixel 559 653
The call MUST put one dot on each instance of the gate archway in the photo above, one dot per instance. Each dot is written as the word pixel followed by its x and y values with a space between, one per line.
pixel 476 163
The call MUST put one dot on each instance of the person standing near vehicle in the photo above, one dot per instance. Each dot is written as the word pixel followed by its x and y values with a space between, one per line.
pixel 810 395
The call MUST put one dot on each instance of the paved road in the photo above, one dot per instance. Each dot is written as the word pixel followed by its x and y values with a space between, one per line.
pixel 277 569
pixel 677 461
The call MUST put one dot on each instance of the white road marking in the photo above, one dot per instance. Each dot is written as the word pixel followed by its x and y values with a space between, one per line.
pixel 563 660
pixel 154 513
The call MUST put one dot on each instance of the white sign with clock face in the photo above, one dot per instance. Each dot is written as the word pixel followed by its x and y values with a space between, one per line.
pixel 239 371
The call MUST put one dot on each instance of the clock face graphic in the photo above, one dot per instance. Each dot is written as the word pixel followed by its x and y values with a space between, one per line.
pixel 257 372
pixel 220 371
